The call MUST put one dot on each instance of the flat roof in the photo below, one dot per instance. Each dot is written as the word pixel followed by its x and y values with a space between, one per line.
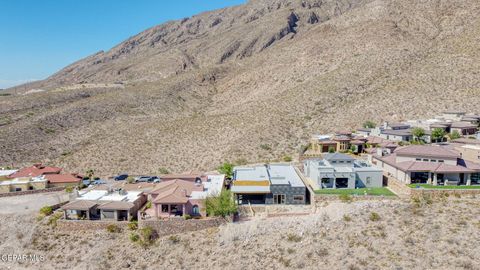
pixel 284 174
pixel 254 173
pixel 7 172
pixel 211 187
pixel 92 195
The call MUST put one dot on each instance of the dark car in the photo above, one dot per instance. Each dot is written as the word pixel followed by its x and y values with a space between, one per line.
pixel 121 177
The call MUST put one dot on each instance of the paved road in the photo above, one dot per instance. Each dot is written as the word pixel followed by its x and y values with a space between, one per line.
pixel 30 203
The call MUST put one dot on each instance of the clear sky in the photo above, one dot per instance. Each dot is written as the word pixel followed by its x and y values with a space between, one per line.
pixel 39 37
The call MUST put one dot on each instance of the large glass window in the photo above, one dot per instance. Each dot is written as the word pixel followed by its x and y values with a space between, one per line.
pixel 279 198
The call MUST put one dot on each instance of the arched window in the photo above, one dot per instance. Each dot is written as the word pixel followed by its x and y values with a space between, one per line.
pixel 196 210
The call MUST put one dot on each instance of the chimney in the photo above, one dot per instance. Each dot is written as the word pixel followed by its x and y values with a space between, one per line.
pixel 385 125
pixel 380 152
pixel 37 165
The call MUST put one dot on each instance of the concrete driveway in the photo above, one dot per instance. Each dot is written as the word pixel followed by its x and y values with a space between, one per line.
pixel 30 203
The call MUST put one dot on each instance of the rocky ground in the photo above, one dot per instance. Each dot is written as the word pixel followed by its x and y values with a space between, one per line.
pixel 390 234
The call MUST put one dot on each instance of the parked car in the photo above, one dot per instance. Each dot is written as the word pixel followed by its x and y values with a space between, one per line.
pixel 154 179
pixel 86 182
pixel 120 177
pixel 142 179
pixel 99 182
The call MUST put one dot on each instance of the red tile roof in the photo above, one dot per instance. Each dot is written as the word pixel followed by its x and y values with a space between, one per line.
pixel 62 178
pixel 421 166
pixel 36 170
pixel 176 191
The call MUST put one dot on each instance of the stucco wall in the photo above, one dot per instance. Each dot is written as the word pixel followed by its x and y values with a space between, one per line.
pixel 376 179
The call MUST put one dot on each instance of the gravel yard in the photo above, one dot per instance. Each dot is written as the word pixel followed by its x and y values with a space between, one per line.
pixel 30 203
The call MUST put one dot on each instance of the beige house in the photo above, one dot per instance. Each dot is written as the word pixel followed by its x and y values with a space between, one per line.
pixel 23 184
pixel 425 164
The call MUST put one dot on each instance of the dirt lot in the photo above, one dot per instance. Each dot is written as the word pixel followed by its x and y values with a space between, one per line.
pixel 30 203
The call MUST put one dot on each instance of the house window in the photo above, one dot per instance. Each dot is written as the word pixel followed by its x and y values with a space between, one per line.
pixel 425 159
pixel 334 161
pixel 196 210
pixel 433 160
pixel 441 161
pixel 279 198
pixel 165 208
pixel 369 180
pixel 341 161
pixel 298 198
pixel 418 159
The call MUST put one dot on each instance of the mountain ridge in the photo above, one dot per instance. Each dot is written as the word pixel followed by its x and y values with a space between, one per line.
pixel 214 93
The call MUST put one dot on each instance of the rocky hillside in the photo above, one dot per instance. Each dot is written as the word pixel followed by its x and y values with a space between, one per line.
pixel 247 82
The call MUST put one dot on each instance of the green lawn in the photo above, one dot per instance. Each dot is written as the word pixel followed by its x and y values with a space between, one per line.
pixel 427 186
pixel 359 191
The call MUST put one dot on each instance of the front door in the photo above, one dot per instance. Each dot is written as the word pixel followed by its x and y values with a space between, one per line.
pixel 279 198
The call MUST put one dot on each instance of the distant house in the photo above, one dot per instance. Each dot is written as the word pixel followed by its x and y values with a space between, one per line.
pixel 35 171
pixel 23 184
pixel 427 164
pixel 268 184
pixel 51 174
pixel 338 142
pixel 4 174
pixel 338 170
pixel 112 205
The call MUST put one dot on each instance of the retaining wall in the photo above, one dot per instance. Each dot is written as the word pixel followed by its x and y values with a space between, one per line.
pixel 180 225
pixel 28 192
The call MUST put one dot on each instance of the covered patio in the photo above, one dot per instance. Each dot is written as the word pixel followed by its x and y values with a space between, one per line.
pixel 81 210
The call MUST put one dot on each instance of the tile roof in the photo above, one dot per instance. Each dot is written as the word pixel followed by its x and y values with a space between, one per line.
pixel 463 125
pixel 79 205
pixel 422 166
pixel 35 170
pixel 426 150
pixel 62 178
pixel 116 205
pixel 176 191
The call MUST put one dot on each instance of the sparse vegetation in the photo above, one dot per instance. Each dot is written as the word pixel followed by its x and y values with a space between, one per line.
pixel 383 191
pixel 46 210
pixel 291 237
pixel 222 206
pixel 133 225
pixel 369 124
pixel 227 169
pixel 287 158
pixel 112 228
pixel 163 170
pixel 374 216
pixel 147 236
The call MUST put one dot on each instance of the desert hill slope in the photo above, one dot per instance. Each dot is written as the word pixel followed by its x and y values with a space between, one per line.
pixel 251 82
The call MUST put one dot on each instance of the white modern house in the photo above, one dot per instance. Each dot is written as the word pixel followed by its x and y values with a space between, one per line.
pixel 338 170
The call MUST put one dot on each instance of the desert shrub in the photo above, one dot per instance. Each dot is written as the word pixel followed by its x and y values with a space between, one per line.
pixel 347 218
pixel 130 180
pixel 187 217
pixel 345 198
pixel 331 149
pixel 147 236
pixel 287 158
pixel 174 239
pixel 221 206
pixel 163 170
pixel 134 237
pixel 457 195
pixel 112 228
pixel 46 210
pixel 133 225
pixel 52 221
pixel 291 237
pixel 369 124
pixel 374 216
pixel 265 147
pixel 241 161
pixel 69 189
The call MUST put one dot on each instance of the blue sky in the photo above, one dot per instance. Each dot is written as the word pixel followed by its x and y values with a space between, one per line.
pixel 39 37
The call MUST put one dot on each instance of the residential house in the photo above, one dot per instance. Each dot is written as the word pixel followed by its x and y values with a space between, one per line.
pixel 338 142
pixel 268 184
pixel 111 205
pixel 338 170
pixel 4 174
pixel 396 132
pixel 181 197
pixel 429 164
pixel 23 184
pixel 53 175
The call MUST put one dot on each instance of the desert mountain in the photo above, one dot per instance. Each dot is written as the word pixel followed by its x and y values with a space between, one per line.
pixel 248 82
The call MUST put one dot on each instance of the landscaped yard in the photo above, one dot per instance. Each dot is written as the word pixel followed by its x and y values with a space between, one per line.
pixel 359 191
pixel 428 186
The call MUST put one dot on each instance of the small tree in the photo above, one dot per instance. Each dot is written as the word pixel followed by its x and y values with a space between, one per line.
pixel 438 134
pixel 227 169
pixel 90 173
pixel 130 180
pixel 287 158
pixel 221 206
pixel 369 124
pixel 418 133
pixel 454 135
pixel 331 149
